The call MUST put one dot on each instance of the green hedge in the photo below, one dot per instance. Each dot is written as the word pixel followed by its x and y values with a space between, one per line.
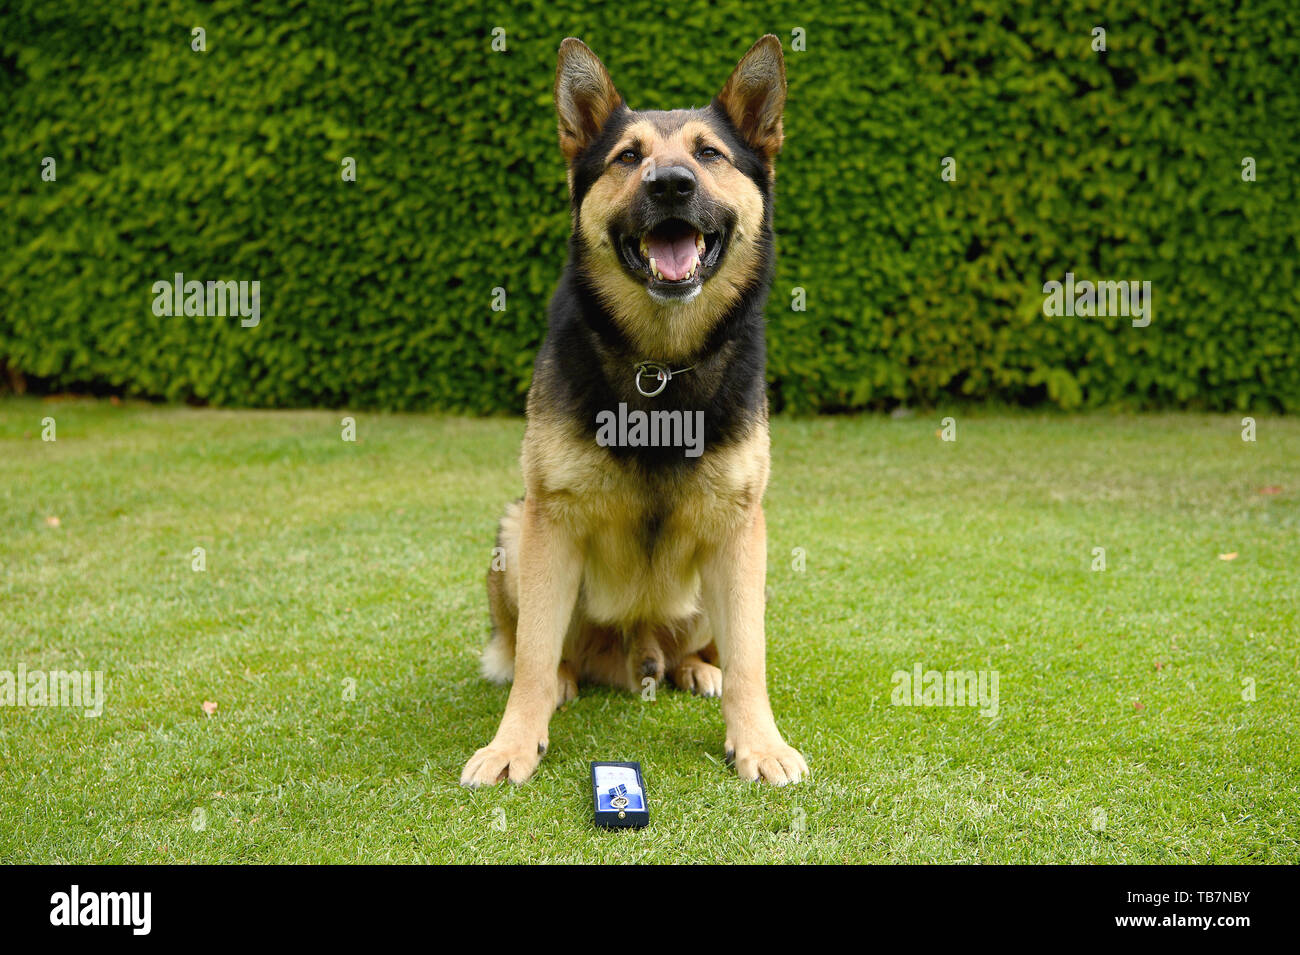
pixel 377 293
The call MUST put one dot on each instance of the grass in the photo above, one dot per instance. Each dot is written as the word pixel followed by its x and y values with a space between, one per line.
pixel 1121 691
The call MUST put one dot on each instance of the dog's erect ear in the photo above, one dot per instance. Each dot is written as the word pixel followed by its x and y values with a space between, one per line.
pixel 584 96
pixel 754 96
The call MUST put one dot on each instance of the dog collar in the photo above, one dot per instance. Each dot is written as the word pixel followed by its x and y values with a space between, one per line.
pixel 663 374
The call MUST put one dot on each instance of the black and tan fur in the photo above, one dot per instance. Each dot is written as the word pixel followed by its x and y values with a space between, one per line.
pixel 622 564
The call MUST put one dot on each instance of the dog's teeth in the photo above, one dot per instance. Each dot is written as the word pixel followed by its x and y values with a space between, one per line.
pixel 654 270
pixel 699 243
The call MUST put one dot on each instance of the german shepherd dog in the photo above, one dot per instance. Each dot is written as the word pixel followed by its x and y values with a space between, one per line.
pixel 629 561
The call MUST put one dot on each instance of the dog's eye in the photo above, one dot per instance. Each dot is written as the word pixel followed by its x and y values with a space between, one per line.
pixel 708 152
pixel 628 157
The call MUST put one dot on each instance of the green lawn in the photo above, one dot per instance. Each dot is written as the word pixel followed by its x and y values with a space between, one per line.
pixel 1122 733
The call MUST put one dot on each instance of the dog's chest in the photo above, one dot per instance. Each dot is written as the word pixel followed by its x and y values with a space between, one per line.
pixel 645 535
pixel 641 559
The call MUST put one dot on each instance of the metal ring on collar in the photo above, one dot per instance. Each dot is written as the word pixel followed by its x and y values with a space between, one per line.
pixel 662 374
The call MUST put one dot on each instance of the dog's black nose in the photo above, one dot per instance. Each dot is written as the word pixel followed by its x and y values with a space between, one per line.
pixel 670 184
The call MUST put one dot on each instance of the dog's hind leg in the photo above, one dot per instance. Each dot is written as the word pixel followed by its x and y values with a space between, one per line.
pixel 566 685
pixel 645 656
pixel 697 675
pixel 696 668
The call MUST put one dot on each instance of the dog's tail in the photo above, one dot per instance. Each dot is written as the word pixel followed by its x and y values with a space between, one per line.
pixel 498 660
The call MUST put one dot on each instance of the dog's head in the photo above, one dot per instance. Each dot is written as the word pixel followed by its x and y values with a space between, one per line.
pixel 671 208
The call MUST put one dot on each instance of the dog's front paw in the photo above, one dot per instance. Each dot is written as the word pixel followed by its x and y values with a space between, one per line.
pixel 500 760
pixel 768 760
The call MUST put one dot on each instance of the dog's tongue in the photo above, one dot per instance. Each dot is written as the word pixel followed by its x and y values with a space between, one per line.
pixel 673 257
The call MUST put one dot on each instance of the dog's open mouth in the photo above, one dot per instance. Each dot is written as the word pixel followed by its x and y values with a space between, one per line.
pixel 675 257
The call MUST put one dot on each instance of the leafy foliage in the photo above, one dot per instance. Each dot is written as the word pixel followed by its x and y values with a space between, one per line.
pixel 225 165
